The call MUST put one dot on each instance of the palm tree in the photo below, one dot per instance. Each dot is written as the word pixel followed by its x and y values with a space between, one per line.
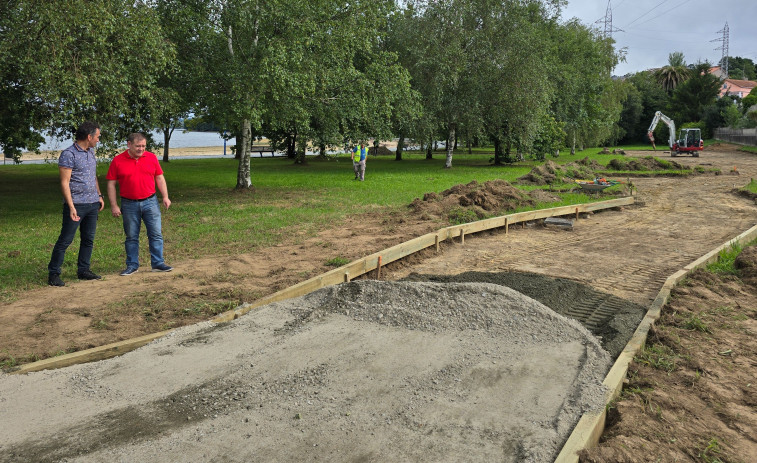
pixel 674 73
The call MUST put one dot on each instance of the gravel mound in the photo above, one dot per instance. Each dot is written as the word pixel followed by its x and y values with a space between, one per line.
pixel 611 319
pixel 363 371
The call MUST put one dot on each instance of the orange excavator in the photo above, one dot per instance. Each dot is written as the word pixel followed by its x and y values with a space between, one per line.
pixel 689 140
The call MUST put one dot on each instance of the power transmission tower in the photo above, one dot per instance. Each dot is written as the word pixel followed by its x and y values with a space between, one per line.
pixel 607 21
pixel 724 47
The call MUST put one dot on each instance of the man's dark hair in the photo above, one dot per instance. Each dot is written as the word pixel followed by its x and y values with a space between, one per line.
pixel 86 129
pixel 135 136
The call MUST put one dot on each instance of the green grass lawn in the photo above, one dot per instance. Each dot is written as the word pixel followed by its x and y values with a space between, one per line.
pixel 209 217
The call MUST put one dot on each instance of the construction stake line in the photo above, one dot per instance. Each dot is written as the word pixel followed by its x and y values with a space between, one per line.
pixel 342 274
pixel 589 429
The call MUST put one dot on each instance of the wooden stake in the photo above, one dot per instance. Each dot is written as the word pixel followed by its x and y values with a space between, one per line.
pixel 346 277
pixel 507 226
pixel 436 242
pixel 462 236
pixel 576 213
pixel 378 269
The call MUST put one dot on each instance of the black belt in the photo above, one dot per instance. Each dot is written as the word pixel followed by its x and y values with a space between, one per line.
pixel 139 200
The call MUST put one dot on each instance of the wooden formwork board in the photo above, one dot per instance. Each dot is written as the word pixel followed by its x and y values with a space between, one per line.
pixel 345 273
pixel 90 355
pixel 589 428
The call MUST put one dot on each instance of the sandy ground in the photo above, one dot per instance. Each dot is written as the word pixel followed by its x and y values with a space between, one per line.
pixel 373 366
pixel 191 151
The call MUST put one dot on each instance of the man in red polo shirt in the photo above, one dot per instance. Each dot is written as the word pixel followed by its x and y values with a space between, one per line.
pixel 137 172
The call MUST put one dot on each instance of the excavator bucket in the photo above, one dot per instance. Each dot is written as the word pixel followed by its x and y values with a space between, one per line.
pixel 651 138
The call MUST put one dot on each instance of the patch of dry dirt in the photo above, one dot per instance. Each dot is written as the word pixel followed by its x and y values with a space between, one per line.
pixel 692 392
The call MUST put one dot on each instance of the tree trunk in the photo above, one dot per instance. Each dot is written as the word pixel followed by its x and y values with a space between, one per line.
pixel 243 148
pixel 497 151
pixel 429 149
pixel 291 144
pixel 508 144
pixel 573 146
pixel 303 146
pixel 323 150
pixel 450 142
pixel 455 140
pixel 400 147
pixel 166 140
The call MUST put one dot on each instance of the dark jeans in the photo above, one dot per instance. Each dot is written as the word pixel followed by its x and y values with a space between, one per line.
pixel 88 222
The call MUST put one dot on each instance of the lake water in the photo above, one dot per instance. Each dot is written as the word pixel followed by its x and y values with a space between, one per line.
pixel 179 139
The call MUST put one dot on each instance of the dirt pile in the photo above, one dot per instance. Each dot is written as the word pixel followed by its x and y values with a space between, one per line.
pixel 550 172
pixel 473 201
pixel 645 163
pixel 381 151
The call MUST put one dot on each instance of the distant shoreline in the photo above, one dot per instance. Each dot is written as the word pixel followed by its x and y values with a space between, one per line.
pixel 52 155
pixel 189 151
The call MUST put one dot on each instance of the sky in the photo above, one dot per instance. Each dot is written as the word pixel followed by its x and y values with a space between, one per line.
pixel 652 29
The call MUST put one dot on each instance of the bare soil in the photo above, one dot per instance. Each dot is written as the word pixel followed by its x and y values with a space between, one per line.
pixel 625 253
pixel 691 393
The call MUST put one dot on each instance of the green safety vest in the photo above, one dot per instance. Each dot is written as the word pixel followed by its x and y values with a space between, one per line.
pixel 358 154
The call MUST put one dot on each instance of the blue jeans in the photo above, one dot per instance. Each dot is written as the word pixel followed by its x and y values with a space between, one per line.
pixel 134 212
pixel 87 225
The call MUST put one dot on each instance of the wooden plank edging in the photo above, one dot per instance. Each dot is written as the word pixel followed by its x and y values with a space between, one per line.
pixel 90 355
pixel 353 270
pixel 589 428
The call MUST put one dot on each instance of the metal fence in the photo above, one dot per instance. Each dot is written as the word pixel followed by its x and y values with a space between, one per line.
pixel 740 136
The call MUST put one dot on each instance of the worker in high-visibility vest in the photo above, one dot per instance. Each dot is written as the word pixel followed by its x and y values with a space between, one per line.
pixel 359 155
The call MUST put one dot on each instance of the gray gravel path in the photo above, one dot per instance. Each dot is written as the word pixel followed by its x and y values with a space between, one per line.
pixel 364 371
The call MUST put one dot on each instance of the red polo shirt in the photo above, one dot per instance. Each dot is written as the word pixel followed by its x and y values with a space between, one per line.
pixel 136 177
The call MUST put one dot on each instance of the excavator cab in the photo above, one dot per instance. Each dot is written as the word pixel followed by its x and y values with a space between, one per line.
pixel 689 141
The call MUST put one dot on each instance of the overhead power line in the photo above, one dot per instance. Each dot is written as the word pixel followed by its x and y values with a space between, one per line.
pixel 649 11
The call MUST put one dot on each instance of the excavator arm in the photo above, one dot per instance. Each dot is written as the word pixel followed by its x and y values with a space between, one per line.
pixel 658 116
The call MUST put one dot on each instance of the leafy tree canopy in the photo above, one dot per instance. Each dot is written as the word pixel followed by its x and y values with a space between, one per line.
pixel 57 71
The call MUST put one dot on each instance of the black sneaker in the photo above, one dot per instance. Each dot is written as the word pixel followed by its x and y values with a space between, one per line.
pixel 54 280
pixel 162 268
pixel 128 271
pixel 88 275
